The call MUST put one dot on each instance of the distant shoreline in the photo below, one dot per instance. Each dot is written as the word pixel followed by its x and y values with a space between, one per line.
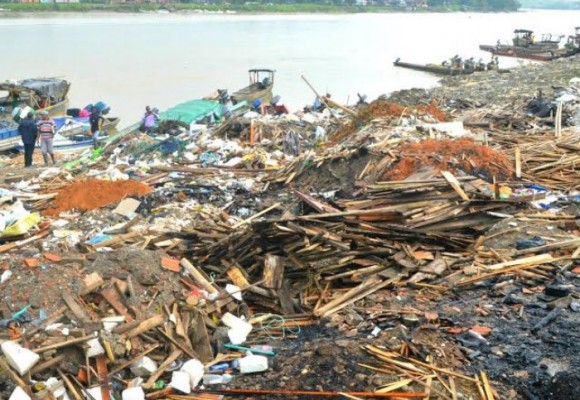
pixel 15 10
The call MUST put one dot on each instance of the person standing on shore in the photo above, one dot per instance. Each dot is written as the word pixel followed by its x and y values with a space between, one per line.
pixel 96 121
pixel 46 130
pixel 28 131
pixel 149 121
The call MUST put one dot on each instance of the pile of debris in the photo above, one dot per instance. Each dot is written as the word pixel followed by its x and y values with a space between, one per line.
pixel 384 251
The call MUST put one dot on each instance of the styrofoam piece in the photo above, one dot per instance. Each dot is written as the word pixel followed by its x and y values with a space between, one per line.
pixel 239 329
pixel 95 349
pixel 56 387
pixel 134 393
pixel 194 369
pixel 180 382
pixel 234 291
pixel 144 367
pixel 19 394
pixel 96 392
pixel 19 358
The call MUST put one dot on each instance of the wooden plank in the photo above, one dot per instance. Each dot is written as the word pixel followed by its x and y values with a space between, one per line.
pixel 144 326
pixel 103 373
pixel 112 296
pixel 273 271
pixel 200 339
pixel 198 276
pixel 454 183
pixel 79 312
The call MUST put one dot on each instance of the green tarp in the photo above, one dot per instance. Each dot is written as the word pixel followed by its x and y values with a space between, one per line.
pixel 191 111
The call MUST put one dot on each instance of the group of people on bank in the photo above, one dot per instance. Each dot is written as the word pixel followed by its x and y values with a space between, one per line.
pixel 41 131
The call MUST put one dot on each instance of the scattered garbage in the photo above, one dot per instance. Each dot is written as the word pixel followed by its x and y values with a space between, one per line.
pixel 341 251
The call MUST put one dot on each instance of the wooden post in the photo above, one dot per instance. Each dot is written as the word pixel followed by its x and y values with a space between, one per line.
pixel 273 271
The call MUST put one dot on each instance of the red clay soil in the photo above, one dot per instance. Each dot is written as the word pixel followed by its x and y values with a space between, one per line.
pixel 450 155
pixel 91 194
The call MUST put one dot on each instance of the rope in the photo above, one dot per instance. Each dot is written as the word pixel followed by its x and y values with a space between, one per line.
pixel 276 322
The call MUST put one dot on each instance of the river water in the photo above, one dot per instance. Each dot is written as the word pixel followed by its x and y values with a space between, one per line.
pixel 131 61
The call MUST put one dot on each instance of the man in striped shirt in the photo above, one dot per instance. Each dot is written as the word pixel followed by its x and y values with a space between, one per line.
pixel 46 132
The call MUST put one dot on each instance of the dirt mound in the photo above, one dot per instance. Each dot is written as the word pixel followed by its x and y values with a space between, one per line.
pixel 458 154
pixel 91 194
pixel 383 108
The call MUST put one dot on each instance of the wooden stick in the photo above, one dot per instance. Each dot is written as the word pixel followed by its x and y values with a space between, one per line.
pixel 64 344
pixel 13 375
pixel 267 210
pixel 322 100
pixel 153 378
pixel 487 386
pixel 198 276
pixel 144 326
pixel 454 183
pixel 129 362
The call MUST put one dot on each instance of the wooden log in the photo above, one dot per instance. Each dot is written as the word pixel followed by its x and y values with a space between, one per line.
pixel 273 271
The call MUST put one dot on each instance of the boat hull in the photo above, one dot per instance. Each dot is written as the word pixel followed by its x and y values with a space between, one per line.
pixel 250 95
pixel 517 52
pixel 437 70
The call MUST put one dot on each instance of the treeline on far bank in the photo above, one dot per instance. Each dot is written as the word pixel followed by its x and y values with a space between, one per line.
pixel 272 6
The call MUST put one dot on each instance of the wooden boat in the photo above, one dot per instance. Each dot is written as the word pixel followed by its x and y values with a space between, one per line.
pixel 522 52
pixel 9 136
pixel 41 94
pixel 260 87
pixel 71 126
pixel 435 69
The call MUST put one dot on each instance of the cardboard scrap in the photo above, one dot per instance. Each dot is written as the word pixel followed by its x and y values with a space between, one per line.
pixel 127 207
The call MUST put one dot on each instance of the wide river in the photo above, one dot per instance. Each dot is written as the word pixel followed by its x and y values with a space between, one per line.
pixel 131 61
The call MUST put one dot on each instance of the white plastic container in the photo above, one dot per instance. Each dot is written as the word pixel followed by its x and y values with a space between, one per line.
pixel 252 364
pixel 194 369
pixel 239 329
pixel 134 393
pixel 18 357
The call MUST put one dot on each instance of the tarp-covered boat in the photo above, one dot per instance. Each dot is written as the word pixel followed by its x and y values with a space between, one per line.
pixel 49 94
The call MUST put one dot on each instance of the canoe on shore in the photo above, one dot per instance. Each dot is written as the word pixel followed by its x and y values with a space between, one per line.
pixel 435 69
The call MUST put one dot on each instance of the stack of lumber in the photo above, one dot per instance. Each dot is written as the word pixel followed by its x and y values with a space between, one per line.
pixel 547 160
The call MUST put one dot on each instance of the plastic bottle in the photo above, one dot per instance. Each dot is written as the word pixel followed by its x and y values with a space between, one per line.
pixel 211 379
